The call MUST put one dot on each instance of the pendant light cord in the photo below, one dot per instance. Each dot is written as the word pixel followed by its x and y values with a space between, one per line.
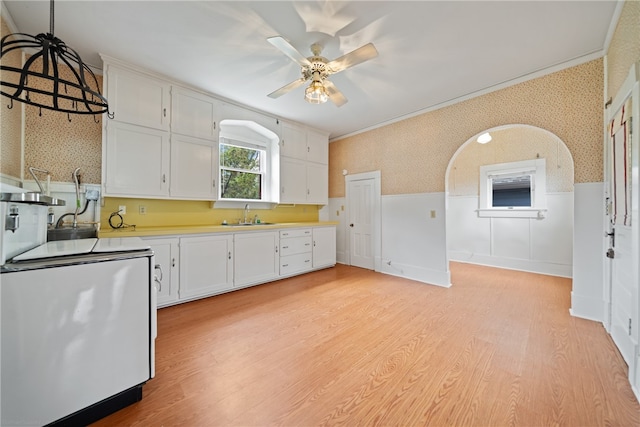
pixel 51 17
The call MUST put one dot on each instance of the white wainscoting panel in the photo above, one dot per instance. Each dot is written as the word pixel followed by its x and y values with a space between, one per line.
pixel 528 244
pixel 335 212
pixel 414 238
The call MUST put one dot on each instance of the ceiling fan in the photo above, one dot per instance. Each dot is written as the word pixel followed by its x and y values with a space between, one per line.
pixel 317 69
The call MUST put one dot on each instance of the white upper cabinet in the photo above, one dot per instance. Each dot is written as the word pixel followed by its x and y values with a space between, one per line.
pixel 138 98
pixel 194 165
pixel 317 147
pixel 293 142
pixel 135 161
pixel 194 114
pixel 317 184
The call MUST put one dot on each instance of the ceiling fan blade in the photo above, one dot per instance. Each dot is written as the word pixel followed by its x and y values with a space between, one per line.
pixel 334 94
pixel 286 88
pixel 289 50
pixel 352 58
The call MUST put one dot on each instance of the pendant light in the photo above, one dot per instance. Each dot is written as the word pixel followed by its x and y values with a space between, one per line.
pixel 54 77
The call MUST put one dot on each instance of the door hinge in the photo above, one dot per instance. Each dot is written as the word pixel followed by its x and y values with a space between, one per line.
pixel 630 125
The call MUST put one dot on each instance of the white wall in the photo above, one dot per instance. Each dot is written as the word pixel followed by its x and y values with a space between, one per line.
pixel 413 243
pixel 587 295
pixel 528 244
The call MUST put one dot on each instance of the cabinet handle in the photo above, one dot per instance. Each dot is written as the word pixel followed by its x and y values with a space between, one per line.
pixel 282 143
pixel 314 243
pixel 308 150
pixel 164 178
pixel 276 248
pixel 307 244
pixel 173 262
pixel 285 265
pixel 282 190
pixel 229 254
pixel 164 112
pixel 307 260
pixel 214 183
pixel 307 191
pixel 285 247
pixel 214 125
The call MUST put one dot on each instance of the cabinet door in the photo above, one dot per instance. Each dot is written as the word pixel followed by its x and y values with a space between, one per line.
pixel 317 184
pixel 293 181
pixel 256 257
pixel 206 265
pixel 317 147
pixel 166 257
pixel 194 114
pixel 293 142
pixel 324 246
pixel 137 161
pixel 138 98
pixel 193 168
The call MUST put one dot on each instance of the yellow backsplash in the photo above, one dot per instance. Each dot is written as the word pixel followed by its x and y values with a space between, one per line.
pixel 161 213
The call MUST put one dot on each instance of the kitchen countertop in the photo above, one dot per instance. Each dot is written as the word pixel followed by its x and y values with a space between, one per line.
pixel 203 229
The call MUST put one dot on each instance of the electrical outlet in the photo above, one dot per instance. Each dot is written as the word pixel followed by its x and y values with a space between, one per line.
pixel 122 209
pixel 142 210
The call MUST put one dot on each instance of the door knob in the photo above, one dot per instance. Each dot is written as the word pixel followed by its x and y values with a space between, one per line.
pixel 351 225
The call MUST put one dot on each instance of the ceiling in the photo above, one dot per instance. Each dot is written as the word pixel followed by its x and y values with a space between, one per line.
pixel 430 52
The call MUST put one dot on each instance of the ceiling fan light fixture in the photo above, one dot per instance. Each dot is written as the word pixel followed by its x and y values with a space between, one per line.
pixel 315 93
pixel 54 77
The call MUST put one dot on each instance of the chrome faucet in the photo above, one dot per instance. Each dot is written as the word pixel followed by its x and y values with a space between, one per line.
pixel 246 212
pixel 77 185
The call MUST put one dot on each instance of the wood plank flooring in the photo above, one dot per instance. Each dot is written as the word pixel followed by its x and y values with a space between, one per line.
pixel 347 346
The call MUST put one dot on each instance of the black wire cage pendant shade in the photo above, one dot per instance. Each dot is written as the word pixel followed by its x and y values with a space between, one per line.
pixel 54 77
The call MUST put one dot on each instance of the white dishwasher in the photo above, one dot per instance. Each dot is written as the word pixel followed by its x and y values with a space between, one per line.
pixel 78 322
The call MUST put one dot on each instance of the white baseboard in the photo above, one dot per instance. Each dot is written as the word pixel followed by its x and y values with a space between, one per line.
pixel 420 274
pixel 530 266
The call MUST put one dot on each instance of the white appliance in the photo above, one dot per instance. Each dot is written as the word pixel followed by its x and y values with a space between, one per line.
pixel 78 323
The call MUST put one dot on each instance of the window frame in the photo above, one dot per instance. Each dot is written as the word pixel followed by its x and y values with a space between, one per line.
pixel 263 172
pixel 535 168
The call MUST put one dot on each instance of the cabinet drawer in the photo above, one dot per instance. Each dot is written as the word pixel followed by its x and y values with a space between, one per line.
pixel 295 263
pixel 295 232
pixel 295 245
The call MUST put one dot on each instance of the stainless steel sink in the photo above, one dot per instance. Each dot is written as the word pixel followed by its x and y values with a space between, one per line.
pixel 70 233
pixel 247 224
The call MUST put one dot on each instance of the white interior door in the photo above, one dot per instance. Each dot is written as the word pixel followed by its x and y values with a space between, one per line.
pixel 360 203
pixel 622 212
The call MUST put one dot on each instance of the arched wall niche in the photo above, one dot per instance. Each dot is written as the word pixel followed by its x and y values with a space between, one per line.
pixel 542 244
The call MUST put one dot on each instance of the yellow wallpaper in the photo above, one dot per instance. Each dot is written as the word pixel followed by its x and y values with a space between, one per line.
pixel 625 47
pixel 10 120
pixel 180 212
pixel 413 154
pixel 511 145
pixel 54 143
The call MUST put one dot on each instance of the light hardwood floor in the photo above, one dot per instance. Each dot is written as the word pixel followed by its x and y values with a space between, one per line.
pixel 346 346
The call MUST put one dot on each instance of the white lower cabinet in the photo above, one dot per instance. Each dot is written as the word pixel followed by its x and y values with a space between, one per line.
pixel 256 257
pixel 295 251
pixel 199 265
pixel 206 265
pixel 167 260
pixel 324 246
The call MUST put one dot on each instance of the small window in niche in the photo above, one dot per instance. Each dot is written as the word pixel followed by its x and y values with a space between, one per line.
pixel 241 172
pixel 511 191
pixel 516 189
